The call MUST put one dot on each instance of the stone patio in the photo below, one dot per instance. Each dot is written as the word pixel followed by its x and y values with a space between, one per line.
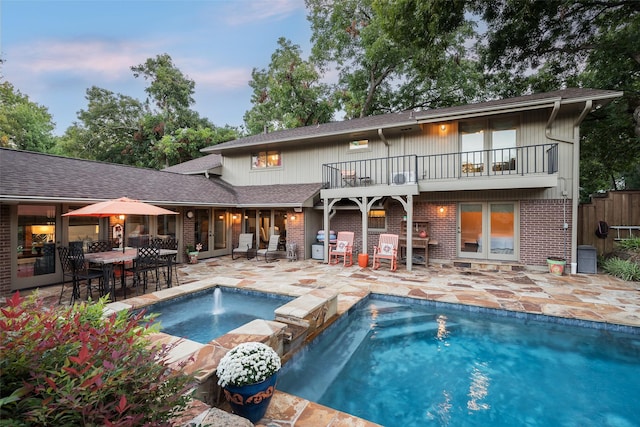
pixel 598 298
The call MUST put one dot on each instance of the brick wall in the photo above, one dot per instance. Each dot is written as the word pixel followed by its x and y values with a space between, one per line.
pixel 541 230
pixel 5 252
pixel 442 226
pixel 295 231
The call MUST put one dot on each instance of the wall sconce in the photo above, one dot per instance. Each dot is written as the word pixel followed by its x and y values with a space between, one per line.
pixel 189 214
pixel 293 217
pixel 220 217
pixel 442 210
pixel 121 217
pixel 443 127
pixel 234 216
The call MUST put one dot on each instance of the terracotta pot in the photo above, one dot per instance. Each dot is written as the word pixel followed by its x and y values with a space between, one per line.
pixel 423 234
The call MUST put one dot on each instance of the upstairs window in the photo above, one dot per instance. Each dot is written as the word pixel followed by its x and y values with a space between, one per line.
pixel 266 159
pixel 359 145
pixel 488 145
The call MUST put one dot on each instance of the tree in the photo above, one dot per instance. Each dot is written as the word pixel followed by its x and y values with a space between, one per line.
pixel 590 43
pixel 171 91
pixel 24 124
pixel 383 67
pixel 105 129
pixel 288 94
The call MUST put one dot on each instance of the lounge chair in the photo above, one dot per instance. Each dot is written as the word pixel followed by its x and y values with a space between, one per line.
pixel 245 244
pixel 272 250
pixel 342 248
pixel 387 249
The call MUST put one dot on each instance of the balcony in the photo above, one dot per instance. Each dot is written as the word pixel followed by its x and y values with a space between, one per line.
pixel 520 167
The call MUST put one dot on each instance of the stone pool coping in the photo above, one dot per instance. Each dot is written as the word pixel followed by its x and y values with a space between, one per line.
pixel 594 298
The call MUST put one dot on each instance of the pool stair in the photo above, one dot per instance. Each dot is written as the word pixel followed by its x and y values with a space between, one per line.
pixel 400 322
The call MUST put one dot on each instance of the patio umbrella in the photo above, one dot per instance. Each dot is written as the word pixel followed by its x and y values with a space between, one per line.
pixel 121 206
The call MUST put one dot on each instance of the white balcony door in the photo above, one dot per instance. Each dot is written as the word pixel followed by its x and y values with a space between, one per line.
pixel 488 230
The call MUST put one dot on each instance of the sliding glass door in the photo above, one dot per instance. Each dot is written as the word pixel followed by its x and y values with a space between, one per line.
pixel 488 230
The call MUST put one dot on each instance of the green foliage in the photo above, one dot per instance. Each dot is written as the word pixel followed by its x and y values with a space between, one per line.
pixel 24 125
pixel 545 45
pixel 288 94
pixel 391 55
pixel 72 366
pixel 630 244
pixel 105 129
pixel 624 269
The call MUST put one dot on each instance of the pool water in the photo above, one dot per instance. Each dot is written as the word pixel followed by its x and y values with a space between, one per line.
pixel 402 364
pixel 198 318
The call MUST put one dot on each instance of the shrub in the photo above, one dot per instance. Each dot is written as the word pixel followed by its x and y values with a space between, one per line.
pixel 630 244
pixel 626 270
pixel 72 366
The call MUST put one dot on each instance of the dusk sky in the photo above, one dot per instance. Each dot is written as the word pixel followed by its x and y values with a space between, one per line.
pixel 55 50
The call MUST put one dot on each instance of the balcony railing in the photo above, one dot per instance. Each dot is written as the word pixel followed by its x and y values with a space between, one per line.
pixel 410 169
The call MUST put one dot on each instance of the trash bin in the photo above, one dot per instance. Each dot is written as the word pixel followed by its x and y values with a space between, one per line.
pixel 317 251
pixel 587 259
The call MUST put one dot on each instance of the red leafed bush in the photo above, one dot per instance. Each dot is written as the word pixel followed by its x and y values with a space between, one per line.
pixel 64 366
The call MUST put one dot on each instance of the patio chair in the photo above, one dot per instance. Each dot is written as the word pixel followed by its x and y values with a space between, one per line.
pixel 387 249
pixel 145 262
pixel 167 262
pixel 245 243
pixel 342 248
pixel 348 178
pixel 75 268
pixel 272 250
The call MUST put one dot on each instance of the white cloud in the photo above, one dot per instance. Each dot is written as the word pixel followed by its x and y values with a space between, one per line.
pixel 259 10
pixel 106 59
pixel 221 78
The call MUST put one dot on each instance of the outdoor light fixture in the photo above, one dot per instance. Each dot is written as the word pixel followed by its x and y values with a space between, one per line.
pixel 442 210
pixel 121 217
pixel 443 127
pixel 189 214
pixel 234 216
pixel 293 217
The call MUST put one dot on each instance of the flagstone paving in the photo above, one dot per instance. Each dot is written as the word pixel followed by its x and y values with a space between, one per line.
pixel 598 298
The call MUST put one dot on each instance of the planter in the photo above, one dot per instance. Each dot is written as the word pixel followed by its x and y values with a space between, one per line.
pixel 556 265
pixel 363 260
pixel 251 401
pixel 193 257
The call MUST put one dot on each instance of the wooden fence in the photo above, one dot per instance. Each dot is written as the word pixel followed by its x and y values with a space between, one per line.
pixel 614 208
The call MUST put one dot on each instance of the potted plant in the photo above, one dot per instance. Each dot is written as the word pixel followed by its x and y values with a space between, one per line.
pixel 556 265
pixel 193 251
pixel 248 376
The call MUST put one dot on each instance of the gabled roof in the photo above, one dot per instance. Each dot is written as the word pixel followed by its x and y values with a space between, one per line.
pixel 30 176
pixel 37 176
pixel 410 120
pixel 200 165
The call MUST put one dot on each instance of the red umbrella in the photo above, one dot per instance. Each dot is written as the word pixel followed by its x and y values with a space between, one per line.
pixel 121 206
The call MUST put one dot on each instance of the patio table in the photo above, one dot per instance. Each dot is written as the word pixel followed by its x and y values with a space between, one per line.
pixel 118 256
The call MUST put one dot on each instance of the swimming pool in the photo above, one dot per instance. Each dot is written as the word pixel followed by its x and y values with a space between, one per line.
pixel 399 363
pixel 197 317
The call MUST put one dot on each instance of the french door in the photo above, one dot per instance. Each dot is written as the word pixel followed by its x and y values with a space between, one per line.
pixel 488 230
pixel 212 231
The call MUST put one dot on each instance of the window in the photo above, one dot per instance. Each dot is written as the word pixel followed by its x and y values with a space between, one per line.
pixel 488 145
pixel 377 219
pixel 266 159
pixel 359 145
pixel 36 240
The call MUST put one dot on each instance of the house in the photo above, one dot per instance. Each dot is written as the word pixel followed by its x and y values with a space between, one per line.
pixel 489 182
